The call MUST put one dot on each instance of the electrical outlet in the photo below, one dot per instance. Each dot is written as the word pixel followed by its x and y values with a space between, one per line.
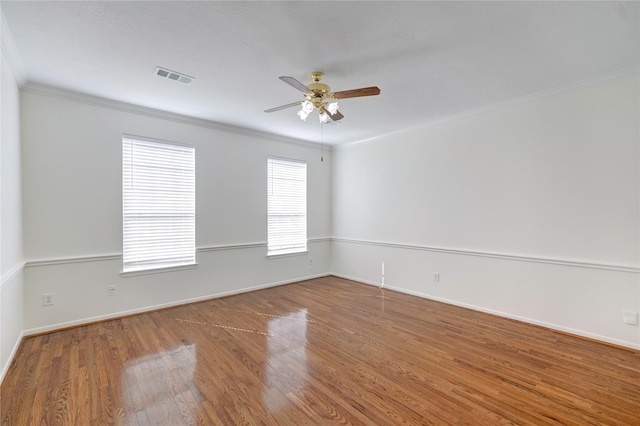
pixel 436 277
pixel 310 261
pixel 47 299
pixel 111 290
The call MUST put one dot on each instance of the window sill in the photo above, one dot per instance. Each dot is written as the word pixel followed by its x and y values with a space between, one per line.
pixel 159 270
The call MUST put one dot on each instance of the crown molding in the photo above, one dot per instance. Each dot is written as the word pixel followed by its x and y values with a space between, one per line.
pixel 617 75
pixel 72 96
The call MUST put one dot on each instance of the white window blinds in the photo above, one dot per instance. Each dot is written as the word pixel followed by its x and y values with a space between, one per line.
pixel 286 206
pixel 158 199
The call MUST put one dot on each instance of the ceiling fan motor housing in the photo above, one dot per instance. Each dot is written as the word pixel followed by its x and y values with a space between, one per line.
pixel 318 89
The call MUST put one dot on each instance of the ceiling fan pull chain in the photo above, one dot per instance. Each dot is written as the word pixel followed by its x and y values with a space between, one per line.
pixel 321 144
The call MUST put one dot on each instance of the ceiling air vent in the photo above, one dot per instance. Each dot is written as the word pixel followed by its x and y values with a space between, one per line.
pixel 172 75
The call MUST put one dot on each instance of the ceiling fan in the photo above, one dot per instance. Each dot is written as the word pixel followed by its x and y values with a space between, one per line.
pixel 319 96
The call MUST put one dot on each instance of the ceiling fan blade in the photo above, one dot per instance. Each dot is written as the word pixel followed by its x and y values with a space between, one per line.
pixel 354 93
pixel 283 106
pixel 337 116
pixel 295 83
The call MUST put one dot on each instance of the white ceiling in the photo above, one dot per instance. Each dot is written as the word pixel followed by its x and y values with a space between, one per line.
pixel 431 60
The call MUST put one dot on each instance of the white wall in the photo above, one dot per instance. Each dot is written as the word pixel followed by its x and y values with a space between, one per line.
pixel 73 211
pixel 530 211
pixel 11 246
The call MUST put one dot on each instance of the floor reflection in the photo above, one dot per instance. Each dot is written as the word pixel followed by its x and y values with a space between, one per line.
pixel 286 367
pixel 153 384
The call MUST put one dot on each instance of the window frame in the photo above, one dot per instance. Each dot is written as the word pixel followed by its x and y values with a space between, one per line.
pixel 301 245
pixel 182 191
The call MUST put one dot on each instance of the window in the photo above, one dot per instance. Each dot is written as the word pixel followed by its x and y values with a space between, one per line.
pixel 286 206
pixel 158 204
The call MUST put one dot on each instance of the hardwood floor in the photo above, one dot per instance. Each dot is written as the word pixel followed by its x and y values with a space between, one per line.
pixel 324 351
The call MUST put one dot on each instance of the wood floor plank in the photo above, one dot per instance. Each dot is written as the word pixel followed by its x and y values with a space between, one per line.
pixel 323 351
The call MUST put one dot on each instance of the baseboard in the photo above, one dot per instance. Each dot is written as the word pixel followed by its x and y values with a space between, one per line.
pixel 360 280
pixel 85 321
pixel 14 351
pixel 550 326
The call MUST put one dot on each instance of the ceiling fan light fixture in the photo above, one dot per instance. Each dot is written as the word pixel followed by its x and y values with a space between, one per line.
pixel 306 109
pixel 332 107
pixel 323 117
